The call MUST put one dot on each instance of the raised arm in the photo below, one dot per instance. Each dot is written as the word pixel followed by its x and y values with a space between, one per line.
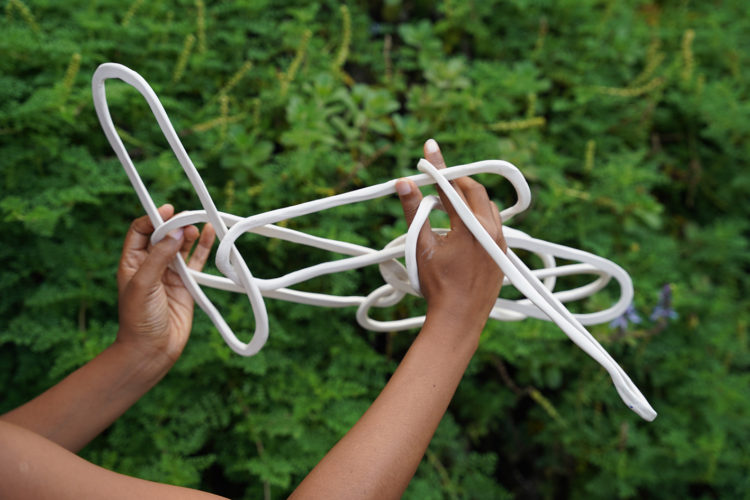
pixel 156 313
pixel 379 455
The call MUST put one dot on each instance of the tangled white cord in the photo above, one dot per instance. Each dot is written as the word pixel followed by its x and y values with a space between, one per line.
pixel 541 302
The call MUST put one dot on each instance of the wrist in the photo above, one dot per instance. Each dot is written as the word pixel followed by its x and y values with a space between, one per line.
pixel 459 327
pixel 459 313
pixel 147 362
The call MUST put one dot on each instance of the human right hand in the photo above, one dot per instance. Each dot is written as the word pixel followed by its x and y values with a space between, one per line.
pixel 377 458
pixel 456 274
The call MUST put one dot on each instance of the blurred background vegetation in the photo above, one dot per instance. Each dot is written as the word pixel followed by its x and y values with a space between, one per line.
pixel 630 121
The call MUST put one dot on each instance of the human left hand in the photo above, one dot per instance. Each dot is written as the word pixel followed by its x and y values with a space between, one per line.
pixel 156 310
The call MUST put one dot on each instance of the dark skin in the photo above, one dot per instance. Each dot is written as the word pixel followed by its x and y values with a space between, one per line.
pixel 157 315
pixel 375 459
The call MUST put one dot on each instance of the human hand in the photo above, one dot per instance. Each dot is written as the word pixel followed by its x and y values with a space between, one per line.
pixel 156 310
pixel 456 274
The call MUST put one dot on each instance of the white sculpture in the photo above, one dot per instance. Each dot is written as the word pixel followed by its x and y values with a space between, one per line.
pixel 540 302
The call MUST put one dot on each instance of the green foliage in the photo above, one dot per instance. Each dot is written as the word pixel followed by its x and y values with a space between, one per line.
pixel 629 119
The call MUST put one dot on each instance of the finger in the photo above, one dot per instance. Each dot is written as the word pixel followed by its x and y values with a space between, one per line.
pixel 433 155
pixel 485 210
pixel 500 237
pixel 141 229
pixel 203 250
pixel 153 267
pixel 472 192
pixel 478 200
pixel 190 234
pixel 134 249
pixel 501 241
pixel 411 197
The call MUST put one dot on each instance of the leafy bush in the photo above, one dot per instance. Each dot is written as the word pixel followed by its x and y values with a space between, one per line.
pixel 629 119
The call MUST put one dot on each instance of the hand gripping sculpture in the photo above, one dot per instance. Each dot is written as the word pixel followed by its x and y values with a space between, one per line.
pixel 540 302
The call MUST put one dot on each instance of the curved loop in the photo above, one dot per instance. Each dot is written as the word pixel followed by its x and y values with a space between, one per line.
pixel 498 167
pixel 427 204
pixel 112 70
pixel 384 326
pixel 541 300
pixel 524 280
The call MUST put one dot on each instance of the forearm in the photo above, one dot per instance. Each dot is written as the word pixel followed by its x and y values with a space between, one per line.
pixel 379 455
pixel 86 402
pixel 33 467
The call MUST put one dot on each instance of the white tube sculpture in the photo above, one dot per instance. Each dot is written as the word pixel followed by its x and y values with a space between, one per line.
pixel 540 302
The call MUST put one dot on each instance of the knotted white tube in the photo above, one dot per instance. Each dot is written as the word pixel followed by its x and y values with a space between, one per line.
pixel 541 301
pixel 524 280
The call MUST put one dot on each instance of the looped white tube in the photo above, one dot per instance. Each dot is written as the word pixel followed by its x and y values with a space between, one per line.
pixel 412 235
pixel 524 280
pixel 541 301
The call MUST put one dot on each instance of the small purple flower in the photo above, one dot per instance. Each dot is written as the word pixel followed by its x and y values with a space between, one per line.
pixel 619 323
pixel 629 316
pixel 663 307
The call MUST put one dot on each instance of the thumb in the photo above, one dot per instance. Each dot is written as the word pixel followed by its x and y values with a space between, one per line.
pixel 411 197
pixel 159 257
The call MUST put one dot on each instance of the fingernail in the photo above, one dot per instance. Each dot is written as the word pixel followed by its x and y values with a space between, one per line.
pixel 431 146
pixel 403 187
pixel 176 234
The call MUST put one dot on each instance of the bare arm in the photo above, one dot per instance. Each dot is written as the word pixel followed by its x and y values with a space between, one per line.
pixel 34 467
pixel 376 459
pixel 156 314
pixel 379 455
pixel 156 311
